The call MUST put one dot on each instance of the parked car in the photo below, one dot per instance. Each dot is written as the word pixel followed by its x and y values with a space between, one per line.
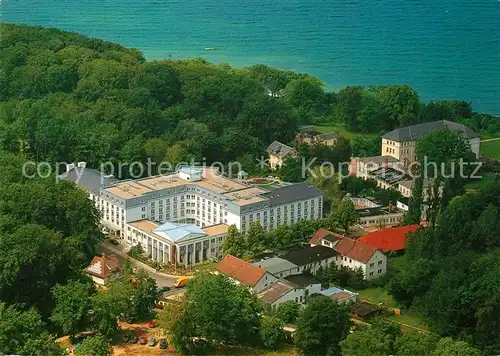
pixel 143 340
pixel 151 324
pixel 126 337
pixel 152 342
pixel 163 344
pixel 163 289
pixel 181 282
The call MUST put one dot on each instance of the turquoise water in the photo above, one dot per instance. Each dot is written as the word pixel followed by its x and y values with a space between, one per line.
pixel 446 49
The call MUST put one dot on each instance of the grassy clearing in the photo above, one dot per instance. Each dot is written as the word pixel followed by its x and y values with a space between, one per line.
pixel 410 319
pixel 342 131
pixel 491 149
pixel 477 184
pixel 377 295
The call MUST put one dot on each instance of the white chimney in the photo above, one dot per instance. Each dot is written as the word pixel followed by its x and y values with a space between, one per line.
pixel 82 164
pixel 69 166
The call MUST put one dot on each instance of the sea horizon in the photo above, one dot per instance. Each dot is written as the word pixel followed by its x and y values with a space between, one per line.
pixel 449 50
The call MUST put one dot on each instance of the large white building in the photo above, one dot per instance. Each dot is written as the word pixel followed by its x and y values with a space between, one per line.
pixel 174 243
pixel 198 196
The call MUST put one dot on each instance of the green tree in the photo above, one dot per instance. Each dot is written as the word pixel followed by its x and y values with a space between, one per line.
pixel 379 339
pixel 448 347
pixel 288 312
pixel 271 332
pixel 22 332
pixel 416 344
pixel 224 312
pixel 256 238
pixel 321 326
pixel 72 305
pixel 94 346
pixel 345 214
pixel 234 243
pixel 401 103
pixel 107 307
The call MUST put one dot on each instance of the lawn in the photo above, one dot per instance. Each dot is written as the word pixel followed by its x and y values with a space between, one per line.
pixel 491 149
pixel 477 184
pixel 410 319
pixel 342 131
pixel 377 295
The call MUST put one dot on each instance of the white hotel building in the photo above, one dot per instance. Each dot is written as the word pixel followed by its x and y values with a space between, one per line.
pixel 197 196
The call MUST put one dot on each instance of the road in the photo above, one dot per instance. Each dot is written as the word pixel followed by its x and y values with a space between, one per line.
pixel 161 279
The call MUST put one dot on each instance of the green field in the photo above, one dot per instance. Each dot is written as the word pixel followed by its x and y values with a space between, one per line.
pixel 342 131
pixel 411 319
pixel 477 184
pixel 377 295
pixel 491 149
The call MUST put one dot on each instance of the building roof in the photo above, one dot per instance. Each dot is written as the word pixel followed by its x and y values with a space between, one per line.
pixel 275 265
pixel 355 250
pixel 190 170
pixel 378 160
pixel 327 136
pixel 330 291
pixel 378 211
pixel 301 280
pixel 415 132
pixel 90 179
pixel 240 270
pixel 214 230
pixel 275 291
pixel 279 149
pixel 389 175
pixel 291 193
pixel 103 266
pixel 345 246
pixel 211 180
pixel 305 255
pixel 321 234
pixel 389 239
pixel 177 232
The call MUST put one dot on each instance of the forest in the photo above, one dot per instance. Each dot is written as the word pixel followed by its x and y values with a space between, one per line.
pixel 66 98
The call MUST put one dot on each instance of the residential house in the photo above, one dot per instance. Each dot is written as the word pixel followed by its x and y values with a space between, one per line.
pixel 278 152
pixel 295 288
pixel 340 295
pixel 311 136
pixel 310 258
pixel 102 268
pixel 310 285
pixel 388 240
pixel 245 273
pixel 352 253
pixel 278 266
pixel 174 243
pixel 279 292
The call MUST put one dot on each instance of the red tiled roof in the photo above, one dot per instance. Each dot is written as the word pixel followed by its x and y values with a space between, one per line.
pixel 103 266
pixel 345 246
pixel 240 270
pixel 389 239
pixel 355 250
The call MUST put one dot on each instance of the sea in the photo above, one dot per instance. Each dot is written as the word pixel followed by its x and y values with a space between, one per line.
pixel 445 49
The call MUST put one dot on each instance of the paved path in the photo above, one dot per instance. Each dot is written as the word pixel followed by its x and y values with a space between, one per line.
pixel 162 279
pixel 490 139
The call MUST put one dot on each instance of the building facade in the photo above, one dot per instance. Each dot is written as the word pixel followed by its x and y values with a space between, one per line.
pixel 352 254
pixel 278 152
pixel 198 196
pixel 175 243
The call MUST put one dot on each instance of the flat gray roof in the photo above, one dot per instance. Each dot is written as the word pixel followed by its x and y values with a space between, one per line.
pixel 415 132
